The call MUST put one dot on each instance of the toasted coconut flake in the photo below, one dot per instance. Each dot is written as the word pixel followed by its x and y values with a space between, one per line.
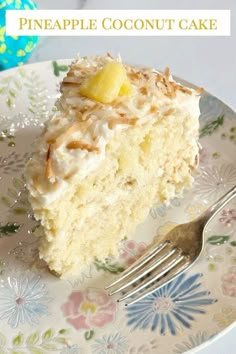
pixel 51 138
pixel 80 126
pixel 153 109
pixel 109 55
pixel 134 75
pixel 170 94
pixel 70 174
pixel 166 72
pixel 163 83
pixel 181 88
pixel 89 110
pixel 71 73
pixel 51 141
pixel 76 144
pixel 146 76
pixel 170 89
pixel 158 76
pixel 184 90
pixel 199 90
pixel 78 114
pixel 140 103
pixel 168 112
pixel 83 109
pixel 143 90
pixel 113 122
pixel 48 168
pixel 70 84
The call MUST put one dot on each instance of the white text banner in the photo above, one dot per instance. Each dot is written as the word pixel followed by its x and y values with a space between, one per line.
pixel 118 22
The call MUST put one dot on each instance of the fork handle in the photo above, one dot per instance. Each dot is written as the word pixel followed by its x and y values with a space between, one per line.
pixel 218 206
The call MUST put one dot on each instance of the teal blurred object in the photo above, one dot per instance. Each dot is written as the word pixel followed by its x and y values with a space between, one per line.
pixel 14 50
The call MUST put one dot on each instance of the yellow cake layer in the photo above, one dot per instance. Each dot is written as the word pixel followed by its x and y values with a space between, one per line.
pixel 142 167
pixel 98 168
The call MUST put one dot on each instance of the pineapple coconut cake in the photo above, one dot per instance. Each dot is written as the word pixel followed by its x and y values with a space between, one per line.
pixel 123 139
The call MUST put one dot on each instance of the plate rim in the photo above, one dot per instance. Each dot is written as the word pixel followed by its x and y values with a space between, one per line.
pixel 69 61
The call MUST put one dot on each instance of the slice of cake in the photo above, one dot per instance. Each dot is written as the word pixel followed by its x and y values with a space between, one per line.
pixel 123 139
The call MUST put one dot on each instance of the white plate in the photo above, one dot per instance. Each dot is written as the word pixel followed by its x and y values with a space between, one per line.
pixel 40 314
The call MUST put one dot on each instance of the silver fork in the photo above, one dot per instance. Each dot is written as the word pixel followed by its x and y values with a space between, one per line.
pixel 162 262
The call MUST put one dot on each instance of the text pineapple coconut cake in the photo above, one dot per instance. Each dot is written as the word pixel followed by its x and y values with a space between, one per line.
pixel 123 139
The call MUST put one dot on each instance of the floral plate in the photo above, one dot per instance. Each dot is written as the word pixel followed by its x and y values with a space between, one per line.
pixel 41 314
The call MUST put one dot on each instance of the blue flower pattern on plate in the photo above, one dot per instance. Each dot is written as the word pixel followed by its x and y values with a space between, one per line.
pixel 23 300
pixel 175 303
pixel 162 210
pixel 194 340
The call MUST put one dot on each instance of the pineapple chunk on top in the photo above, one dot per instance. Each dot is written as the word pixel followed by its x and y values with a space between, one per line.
pixel 107 84
pixel 126 88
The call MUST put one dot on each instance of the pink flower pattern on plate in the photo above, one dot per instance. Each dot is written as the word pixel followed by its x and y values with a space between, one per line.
pixel 229 282
pixel 228 216
pixel 131 251
pixel 89 308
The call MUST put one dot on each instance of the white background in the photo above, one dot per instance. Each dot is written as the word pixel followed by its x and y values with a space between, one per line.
pixel 209 62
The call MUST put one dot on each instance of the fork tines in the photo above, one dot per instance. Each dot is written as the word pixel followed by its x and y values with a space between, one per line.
pixel 154 269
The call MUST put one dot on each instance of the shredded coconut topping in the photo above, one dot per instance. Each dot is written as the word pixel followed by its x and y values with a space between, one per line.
pixel 74 139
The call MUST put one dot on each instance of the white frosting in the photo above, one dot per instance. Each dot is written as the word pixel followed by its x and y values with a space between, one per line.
pixel 79 163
